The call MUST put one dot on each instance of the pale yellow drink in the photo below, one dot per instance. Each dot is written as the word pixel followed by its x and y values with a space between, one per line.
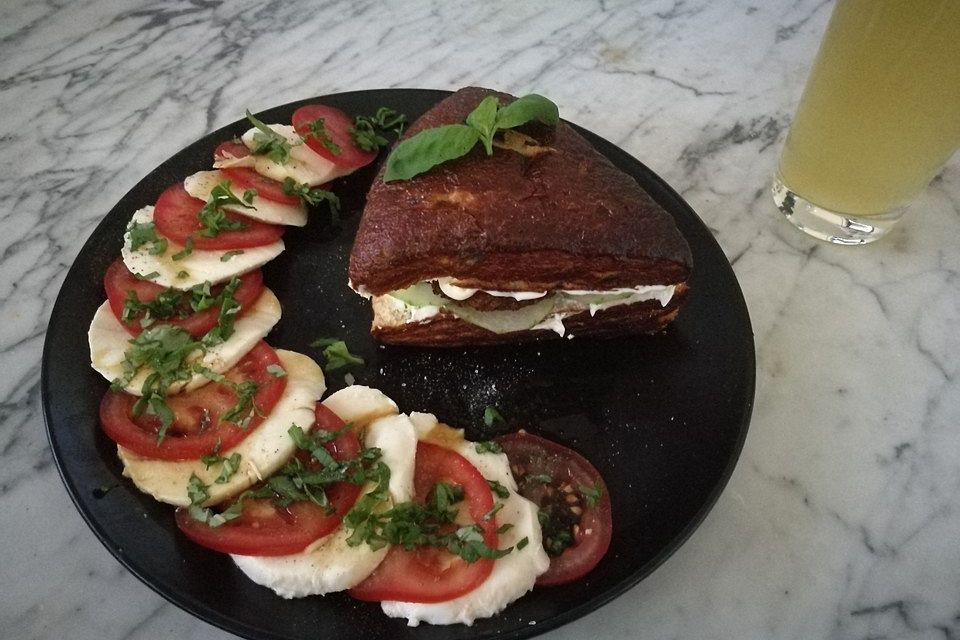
pixel 881 110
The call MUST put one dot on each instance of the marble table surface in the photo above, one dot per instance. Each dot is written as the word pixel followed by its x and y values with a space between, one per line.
pixel 842 517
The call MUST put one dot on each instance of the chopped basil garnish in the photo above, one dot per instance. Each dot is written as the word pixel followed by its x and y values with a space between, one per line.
pixel 491 416
pixel 309 195
pixel 267 142
pixel 243 411
pixel 276 371
pixel 523 542
pixel 368 132
pixel 488 446
pixel 230 465
pixel 230 255
pixel 166 350
pixel 336 353
pixel 544 478
pixel 143 233
pixel 213 217
pixel 498 489
pixel 591 493
pixel 186 251
pixel 413 525
pixel 198 494
pixel 318 131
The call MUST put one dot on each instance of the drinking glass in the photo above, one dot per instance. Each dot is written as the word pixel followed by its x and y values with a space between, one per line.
pixel 879 116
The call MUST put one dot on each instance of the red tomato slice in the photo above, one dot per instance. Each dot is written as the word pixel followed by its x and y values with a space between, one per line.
pixel 430 574
pixel 230 149
pixel 243 178
pixel 589 531
pixel 118 282
pixel 197 427
pixel 337 125
pixel 175 216
pixel 264 529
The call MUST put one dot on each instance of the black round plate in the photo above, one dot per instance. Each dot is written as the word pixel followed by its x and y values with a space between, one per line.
pixel 663 417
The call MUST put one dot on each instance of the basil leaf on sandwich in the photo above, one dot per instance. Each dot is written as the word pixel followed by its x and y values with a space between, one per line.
pixel 431 147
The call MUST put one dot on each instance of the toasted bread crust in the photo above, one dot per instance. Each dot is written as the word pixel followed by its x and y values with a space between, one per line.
pixel 561 219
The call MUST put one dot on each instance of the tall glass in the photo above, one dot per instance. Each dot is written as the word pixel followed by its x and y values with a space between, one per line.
pixel 879 116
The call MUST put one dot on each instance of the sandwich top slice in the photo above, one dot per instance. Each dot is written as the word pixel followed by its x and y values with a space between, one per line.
pixel 544 237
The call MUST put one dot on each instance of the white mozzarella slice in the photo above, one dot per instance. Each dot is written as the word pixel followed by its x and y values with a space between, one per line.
pixel 198 267
pixel 304 165
pixel 109 342
pixel 262 452
pixel 330 564
pixel 200 184
pixel 360 405
pixel 514 574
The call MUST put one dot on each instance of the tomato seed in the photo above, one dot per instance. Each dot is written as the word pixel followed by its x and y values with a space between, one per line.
pixel 576 511
pixel 572 499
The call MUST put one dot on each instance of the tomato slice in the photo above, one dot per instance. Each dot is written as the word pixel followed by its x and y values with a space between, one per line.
pixel 264 529
pixel 118 281
pixel 175 216
pixel 532 459
pixel 197 427
pixel 336 125
pixel 230 149
pixel 243 178
pixel 430 574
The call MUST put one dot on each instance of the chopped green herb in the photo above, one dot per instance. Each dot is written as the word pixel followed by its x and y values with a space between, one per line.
pixel 243 411
pixel 183 274
pixel 544 478
pixel 368 132
pixel 523 542
pixel 229 308
pixel 591 493
pixel 166 350
pixel 229 255
pixel 488 446
pixel 491 416
pixel 153 275
pixel 229 468
pixel 276 371
pixel 413 525
pixel 198 494
pixel 312 196
pixel 213 216
pixel 267 142
pixel 336 353
pixel 502 529
pixel 143 233
pixel 498 489
pixel 318 131
pixel 490 514
pixel 186 251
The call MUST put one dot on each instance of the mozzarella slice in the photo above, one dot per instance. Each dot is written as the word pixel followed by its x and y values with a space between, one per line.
pixel 514 574
pixel 360 405
pixel 200 184
pixel 109 342
pixel 304 165
pixel 330 564
pixel 262 452
pixel 198 267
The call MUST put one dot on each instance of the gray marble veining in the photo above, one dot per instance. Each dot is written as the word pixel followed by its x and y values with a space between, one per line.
pixel 842 517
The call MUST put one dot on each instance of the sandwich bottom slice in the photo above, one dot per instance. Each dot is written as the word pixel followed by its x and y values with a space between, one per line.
pixel 423 314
